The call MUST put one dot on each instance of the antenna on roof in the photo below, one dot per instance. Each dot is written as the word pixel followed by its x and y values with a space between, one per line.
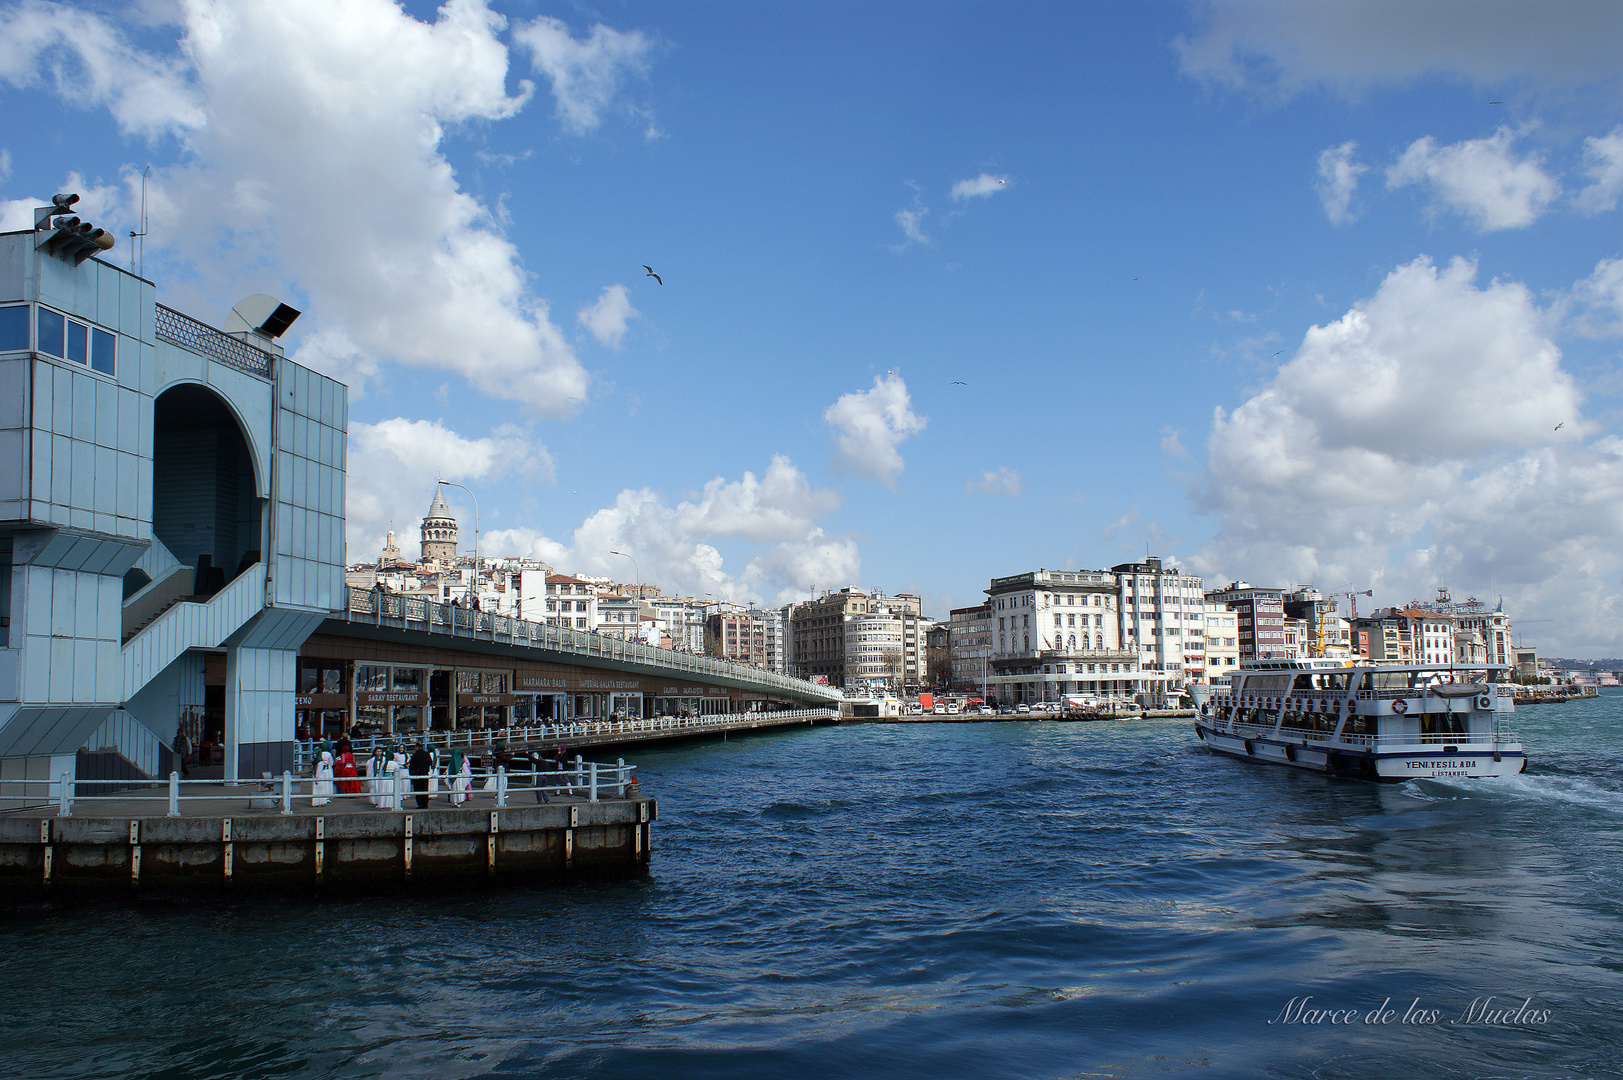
pixel 140 267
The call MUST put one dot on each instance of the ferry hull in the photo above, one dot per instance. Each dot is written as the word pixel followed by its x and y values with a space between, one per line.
pixel 1389 765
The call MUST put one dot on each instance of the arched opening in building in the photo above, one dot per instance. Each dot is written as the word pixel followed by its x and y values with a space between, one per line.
pixel 205 504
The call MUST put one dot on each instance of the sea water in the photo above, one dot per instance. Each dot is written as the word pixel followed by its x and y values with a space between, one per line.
pixel 1035 899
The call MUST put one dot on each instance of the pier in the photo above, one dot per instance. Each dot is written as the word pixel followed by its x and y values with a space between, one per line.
pixel 281 837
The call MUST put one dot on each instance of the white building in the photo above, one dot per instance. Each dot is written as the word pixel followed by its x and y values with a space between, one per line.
pixel 1162 608
pixel 1222 642
pixel 1058 632
pixel 571 602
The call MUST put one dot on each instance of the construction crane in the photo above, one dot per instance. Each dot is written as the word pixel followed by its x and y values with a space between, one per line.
pixel 1352 594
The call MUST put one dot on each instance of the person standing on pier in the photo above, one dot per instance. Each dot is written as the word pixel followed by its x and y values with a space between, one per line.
pixel 182 750
pixel 420 765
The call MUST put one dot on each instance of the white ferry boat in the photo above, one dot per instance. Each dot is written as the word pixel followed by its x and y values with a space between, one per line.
pixel 1381 723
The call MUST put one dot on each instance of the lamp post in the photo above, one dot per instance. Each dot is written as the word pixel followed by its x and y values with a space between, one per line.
pixel 475 498
pixel 635 567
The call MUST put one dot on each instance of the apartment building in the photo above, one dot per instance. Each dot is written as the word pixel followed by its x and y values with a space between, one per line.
pixel 1163 616
pixel 1260 617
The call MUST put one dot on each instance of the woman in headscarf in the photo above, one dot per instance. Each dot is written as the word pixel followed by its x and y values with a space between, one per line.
pixel 461 778
pixel 374 777
pixel 434 772
pixel 344 769
pixel 321 786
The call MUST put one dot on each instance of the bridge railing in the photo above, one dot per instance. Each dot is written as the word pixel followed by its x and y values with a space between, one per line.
pixel 305 752
pixel 382 608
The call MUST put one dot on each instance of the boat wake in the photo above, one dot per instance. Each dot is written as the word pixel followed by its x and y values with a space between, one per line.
pixel 1569 790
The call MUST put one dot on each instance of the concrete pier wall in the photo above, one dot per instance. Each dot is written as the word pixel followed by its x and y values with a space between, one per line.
pixel 44 859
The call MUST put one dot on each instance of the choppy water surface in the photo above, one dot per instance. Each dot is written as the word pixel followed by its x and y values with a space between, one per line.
pixel 989 900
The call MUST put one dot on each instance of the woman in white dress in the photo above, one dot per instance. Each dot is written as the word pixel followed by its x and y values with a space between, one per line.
pixel 461 777
pixel 434 773
pixel 374 778
pixel 321 789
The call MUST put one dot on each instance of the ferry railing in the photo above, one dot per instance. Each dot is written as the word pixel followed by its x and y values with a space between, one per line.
pixel 392 791
pixel 304 752
pixel 1459 738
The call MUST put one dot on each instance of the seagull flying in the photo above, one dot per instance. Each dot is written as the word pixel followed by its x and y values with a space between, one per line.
pixel 651 273
pixel 1560 425
pixel 1496 103
pixel 1276 354
pixel 957 383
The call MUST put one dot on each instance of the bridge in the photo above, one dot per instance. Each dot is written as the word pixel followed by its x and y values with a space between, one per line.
pixel 171 555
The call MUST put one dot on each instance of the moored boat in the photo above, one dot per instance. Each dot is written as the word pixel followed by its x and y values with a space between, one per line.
pixel 1384 723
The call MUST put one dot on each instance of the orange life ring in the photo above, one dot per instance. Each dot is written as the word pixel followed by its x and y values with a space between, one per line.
pixel 1400 706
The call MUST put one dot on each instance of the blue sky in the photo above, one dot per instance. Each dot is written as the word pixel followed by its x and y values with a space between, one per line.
pixel 1117 225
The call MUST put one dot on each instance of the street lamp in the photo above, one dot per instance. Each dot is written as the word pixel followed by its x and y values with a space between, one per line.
pixel 635 567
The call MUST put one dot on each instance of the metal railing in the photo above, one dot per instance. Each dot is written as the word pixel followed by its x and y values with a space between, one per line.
pixel 362 746
pixel 200 337
pixel 1460 738
pixel 391 609
pixel 392 791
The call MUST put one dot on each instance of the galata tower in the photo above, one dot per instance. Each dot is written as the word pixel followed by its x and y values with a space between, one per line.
pixel 439 531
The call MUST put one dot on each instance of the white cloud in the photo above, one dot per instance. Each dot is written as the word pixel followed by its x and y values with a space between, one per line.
pixel 869 425
pixel 1412 443
pixel 393 466
pixel 88 64
pixel 586 73
pixel 1338 181
pixel 1603 157
pixel 5 164
pixel 1598 301
pixel 1172 443
pixel 1005 481
pixel 321 154
pixel 981 186
pixel 911 221
pixel 606 318
pixel 672 544
pixel 1282 47
pixel 1480 179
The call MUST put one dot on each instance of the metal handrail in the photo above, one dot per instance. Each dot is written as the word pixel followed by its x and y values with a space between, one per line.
pixel 304 750
pixel 1462 738
pixel 588 778
pixel 183 330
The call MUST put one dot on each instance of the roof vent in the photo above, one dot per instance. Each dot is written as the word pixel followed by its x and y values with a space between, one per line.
pixel 260 320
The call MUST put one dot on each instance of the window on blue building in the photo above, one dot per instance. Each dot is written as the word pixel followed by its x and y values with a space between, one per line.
pixel 14 328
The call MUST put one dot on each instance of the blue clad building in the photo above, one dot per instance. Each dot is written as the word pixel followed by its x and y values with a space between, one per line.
pixel 167 490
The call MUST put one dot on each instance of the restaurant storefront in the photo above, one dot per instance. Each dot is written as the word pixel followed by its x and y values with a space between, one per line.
pixel 371 687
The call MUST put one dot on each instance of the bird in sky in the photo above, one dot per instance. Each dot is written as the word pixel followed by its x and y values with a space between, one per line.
pixel 1276 354
pixel 1559 426
pixel 1496 103
pixel 955 382
pixel 651 273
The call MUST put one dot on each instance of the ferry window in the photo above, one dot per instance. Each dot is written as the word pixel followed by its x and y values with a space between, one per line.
pixel 1389 680
pixel 13 329
pixel 51 330
pixel 1303 682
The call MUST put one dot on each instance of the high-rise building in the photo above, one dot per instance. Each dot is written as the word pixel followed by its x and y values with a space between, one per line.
pixel 1261 618
pixel 969 644
pixel 1163 616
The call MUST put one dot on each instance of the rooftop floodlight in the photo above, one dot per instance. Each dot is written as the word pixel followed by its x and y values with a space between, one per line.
pixel 67 237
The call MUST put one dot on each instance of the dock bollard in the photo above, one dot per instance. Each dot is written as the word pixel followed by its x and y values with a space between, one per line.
pixel 501 785
pixel 174 793
pixel 64 797
pixel 287 791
